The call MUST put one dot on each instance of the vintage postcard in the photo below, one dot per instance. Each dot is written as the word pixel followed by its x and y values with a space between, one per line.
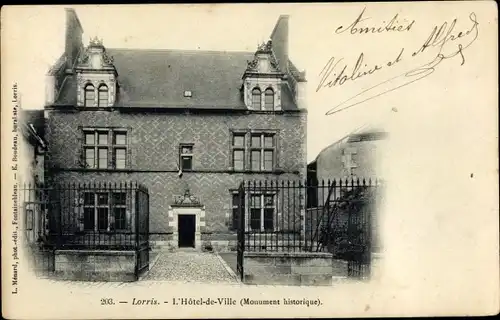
pixel 250 160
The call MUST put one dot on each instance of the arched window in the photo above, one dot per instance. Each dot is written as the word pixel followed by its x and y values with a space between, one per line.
pixel 269 99
pixel 103 96
pixel 89 95
pixel 256 99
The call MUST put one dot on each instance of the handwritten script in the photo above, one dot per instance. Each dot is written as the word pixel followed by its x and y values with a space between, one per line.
pixel 444 40
pixel 393 25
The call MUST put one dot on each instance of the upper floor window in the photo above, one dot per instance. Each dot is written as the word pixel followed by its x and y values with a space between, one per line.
pixel 269 99
pixel 98 146
pixel 256 99
pixel 186 156
pixel 354 159
pixel 103 96
pixel 120 149
pixel 262 151
pixel 238 151
pixel 89 95
pixel 96 149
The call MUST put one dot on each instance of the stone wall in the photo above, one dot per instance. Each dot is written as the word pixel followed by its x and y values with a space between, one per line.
pixel 94 265
pixel 294 268
pixel 349 160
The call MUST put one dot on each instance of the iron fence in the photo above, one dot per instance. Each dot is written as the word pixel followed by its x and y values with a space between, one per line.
pixel 290 216
pixel 272 215
pixel 95 216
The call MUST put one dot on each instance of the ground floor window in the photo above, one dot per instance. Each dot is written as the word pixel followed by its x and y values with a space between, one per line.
pixel 262 211
pixel 235 210
pixel 29 219
pixel 261 214
pixel 105 211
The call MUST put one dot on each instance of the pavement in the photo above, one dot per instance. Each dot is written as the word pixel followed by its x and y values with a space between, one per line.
pixel 189 266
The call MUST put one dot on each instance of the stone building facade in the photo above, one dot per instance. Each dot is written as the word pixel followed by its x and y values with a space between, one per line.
pixel 188 125
pixel 354 156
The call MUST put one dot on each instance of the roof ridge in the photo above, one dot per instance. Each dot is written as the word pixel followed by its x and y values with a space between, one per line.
pixel 181 50
pixel 338 141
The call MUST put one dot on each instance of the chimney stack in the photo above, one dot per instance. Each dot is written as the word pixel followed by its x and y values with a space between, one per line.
pixel 73 41
pixel 279 38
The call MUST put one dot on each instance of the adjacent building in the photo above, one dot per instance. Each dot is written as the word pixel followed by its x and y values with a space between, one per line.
pixel 188 125
pixel 356 155
pixel 30 173
pixel 352 161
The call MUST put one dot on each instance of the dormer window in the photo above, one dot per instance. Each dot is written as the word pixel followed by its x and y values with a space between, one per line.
pixel 269 99
pixel 103 96
pixel 96 77
pixel 256 99
pixel 89 95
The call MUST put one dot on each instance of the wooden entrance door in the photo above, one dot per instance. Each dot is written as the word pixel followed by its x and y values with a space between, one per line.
pixel 187 227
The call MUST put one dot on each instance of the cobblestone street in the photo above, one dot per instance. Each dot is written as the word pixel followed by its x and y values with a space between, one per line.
pixel 189 266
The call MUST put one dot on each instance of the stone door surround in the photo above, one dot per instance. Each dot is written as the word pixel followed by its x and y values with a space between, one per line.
pixel 173 215
pixel 186 204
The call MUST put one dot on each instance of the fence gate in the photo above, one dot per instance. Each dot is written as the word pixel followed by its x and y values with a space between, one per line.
pixel 241 231
pixel 342 222
pixel 34 206
pixel 359 237
pixel 142 231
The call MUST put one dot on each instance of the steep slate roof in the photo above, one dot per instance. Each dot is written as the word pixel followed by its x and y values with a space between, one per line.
pixel 367 132
pixel 299 76
pixel 158 78
pixel 32 126
pixel 36 118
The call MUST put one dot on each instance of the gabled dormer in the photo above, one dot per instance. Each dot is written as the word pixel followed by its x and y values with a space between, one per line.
pixel 96 77
pixel 271 77
pixel 262 80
